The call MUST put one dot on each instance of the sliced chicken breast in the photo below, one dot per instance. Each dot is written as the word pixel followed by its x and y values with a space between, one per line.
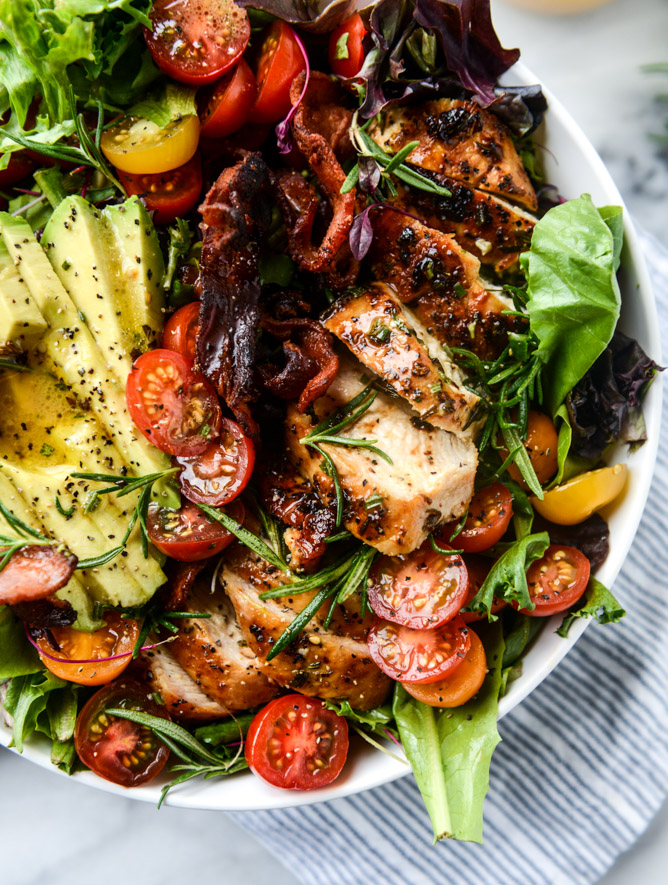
pixel 392 507
pixel 215 654
pixel 183 697
pixel 329 664
pixel 440 282
pixel 388 339
pixel 488 227
pixel 461 140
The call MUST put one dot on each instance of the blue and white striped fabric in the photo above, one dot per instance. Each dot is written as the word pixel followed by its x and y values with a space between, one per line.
pixel 581 770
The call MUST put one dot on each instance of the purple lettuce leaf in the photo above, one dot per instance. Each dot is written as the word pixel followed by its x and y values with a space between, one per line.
pixel 605 406
pixel 470 44
pixel 316 16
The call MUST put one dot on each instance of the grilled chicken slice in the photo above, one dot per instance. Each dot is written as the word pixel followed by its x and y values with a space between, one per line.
pixel 292 499
pixel 182 696
pixel 440 281
pixel 460 140
pixel 392 507
pixel 384 335
pixel 486 226
pixel 329 664
pixel 216 656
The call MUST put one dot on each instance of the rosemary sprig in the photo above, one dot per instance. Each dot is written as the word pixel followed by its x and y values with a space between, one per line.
pixel 387 164
pixel 326 432
pixel 509 385
pixel 27 537
pixel 121 486
pixel 10 364
pixel 154 619
pixel 196 759
pixel 88 153
pixel 257 545
pixel 337 582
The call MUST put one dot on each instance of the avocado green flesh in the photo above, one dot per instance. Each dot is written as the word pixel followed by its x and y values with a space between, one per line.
pixel 68 414
pixel 74 591
pixel 21 323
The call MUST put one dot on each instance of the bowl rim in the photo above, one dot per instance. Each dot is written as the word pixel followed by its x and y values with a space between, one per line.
pixel 212 796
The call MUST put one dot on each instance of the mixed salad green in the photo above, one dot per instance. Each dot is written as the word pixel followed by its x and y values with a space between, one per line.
pixel 101 104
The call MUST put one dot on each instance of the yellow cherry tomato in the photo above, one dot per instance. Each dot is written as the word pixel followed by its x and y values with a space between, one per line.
pixel 139 146
pixel 575 500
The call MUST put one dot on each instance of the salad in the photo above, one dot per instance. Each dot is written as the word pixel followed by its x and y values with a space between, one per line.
pixel 308 385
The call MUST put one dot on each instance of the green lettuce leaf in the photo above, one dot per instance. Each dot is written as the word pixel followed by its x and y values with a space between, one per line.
pixel 507 578
pixel 376 721
pixel 17 656
pixel 573 294
pixel 597 602
pixel 450 750
pixel 40 702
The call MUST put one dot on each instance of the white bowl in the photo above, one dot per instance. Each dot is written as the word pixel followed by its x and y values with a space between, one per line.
pixel 572 164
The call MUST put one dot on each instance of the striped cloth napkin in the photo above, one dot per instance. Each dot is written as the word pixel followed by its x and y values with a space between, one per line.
pixel 581 770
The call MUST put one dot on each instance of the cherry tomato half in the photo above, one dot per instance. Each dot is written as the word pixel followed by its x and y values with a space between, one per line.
pixel 477 568
pixel 490 512
pixel 20 165
pixel 421 590
pixel 296 743
pixel 197 42
pixel 280 61
pixel 221 472
pixel 116 749
pixel 141 147
pixel 557 580
pixel 541 445
pixel 188 535
pixel 346 52
pixel 180 333
pixel 74 647
pixel 225 106
pixel 170 194
pixel 418 655
pixel 459 686
pixel 173 407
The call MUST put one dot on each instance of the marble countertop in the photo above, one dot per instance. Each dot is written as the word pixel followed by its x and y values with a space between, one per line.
pixel 59 831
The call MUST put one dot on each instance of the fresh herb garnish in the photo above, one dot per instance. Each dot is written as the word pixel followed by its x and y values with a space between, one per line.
pixel 196 758
pixel 326 432
pixel 370 154
pixel 121 486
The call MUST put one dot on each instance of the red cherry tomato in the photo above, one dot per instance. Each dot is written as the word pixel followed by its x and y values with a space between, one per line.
pixel 478 568
pixel 20 165
pixel 490 512
pixel 460 686
pixel 296 743
pixel 197 42
pixel 173 406
pixel 346 50
pixel 418 655
pixel 116 749
pixel 180 332
pixel 421 590
pixel 225 106
pixel 188 535
pixel 280 61
pixel 169 194
pixel 557 580
pixel 221 472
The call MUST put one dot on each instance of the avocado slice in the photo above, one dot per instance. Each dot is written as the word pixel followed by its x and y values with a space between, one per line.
pixel 74 354
pixel 74 591
pixel 142 268
pixel 21 323
pixel 111 267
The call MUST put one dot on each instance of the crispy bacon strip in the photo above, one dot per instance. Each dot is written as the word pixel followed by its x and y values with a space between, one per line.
pixel 297 198
pixel 44 613
pixel 236 214
pixel 182 577
pixel 292 499
pixel 35 572
pixel 311 364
